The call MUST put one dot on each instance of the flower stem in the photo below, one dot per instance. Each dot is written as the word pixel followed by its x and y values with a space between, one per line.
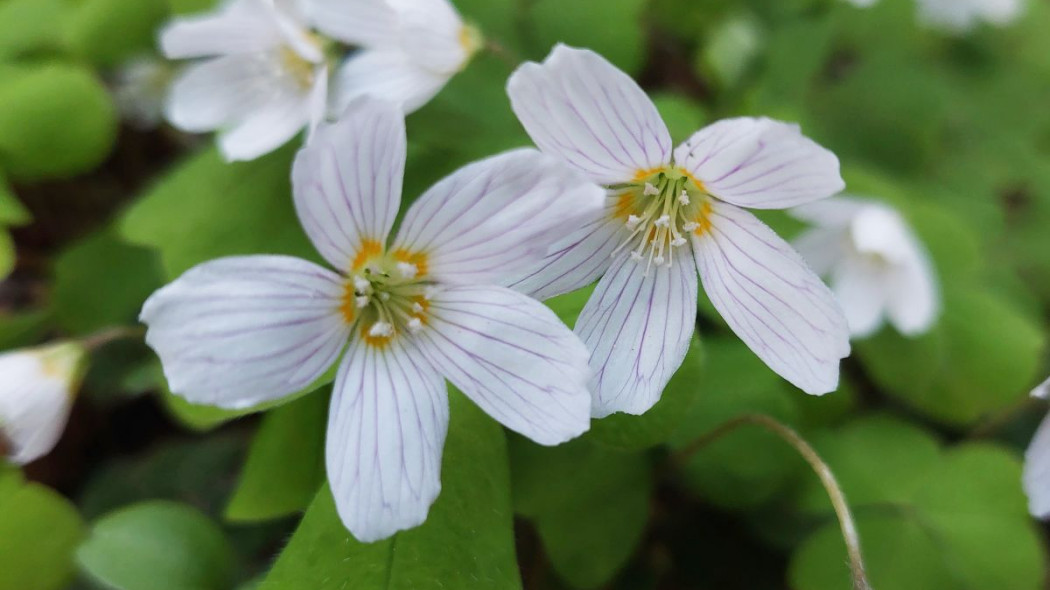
pixel 109 335
pixel 827 478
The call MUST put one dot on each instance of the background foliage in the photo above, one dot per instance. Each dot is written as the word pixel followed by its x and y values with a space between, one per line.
pixel 146 491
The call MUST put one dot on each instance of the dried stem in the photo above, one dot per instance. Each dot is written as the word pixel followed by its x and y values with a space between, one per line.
pixel 827 478
pixel 108 335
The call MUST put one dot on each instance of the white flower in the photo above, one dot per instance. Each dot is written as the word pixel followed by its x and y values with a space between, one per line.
pixel 410 48
pixel 239 331
pixel 649 242
pixel 140 88
pixel 37 387
pixel 266 78
pixel 960 16
pixel 877 267
pixel 1036 476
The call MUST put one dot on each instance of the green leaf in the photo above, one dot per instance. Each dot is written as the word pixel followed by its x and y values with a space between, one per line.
pixel 683 116
pixel 233 209
pixel 732 48
pixel 285 466
pixel 613 28
pixel 107 32
pixel 56 120
pixel 12 212
pixel 747 467
pixel 981 358
pixel 157 546
pixel 7 254
pixel 39 531
pixel 466 542
pixel 101 281
pixel 964 526
pixel 656 425
pixel 28 27
pixel 590 505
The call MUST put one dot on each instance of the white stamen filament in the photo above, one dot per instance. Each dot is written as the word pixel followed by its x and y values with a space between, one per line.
pixel 658 228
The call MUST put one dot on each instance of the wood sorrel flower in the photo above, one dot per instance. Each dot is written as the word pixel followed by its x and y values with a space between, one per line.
pixel 37 388
pixel 1036 476
pixel 428 306
pixel 878 268
pixel 671 212
pixel 960 16
pixel 265 80
pixel 409 48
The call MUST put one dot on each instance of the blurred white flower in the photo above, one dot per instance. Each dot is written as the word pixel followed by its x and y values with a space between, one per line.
pixel 37 388
pixel 670 213
pixel 140 88
pixel 409 48
pixel 1036 478
pixel 239 331
pixel 264 80
pixel 961 16
pixel 878 269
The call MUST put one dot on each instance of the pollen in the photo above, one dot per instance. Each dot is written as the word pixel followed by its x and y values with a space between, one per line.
pixel 387 293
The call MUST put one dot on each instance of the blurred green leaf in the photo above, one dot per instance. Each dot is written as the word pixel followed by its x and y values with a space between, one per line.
pixel 466 542
pixel 39 531
pixel 683 116
pixel 101 281
pixel 28 27
pixel 107 32
pixel 7 254
pixel 613 28
pixel 56 120
pixel 12 212
pixel 732 49
pixel 590 504
pixel 285 465
pixel 207 208
pixel 157 546
pixel 656 425
pixel 980 358
pixel 965 525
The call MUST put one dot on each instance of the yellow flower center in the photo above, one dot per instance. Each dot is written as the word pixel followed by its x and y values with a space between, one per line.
pixel 386 293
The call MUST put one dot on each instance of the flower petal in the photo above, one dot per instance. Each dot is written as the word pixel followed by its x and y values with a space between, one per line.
pixel 760 163
pixel 1042 390
pixel 36 395
pixel 347 180
pixel 386 431
pixel 861 290
pixel 771 299
pixel 914 296
pixel 367 23
pixel 271 125
pixel 239 331
pixel 822 248
pixel 242 26
pixel 210 94
pixel 512 356
pixel 573 262
pixel 1037 471
pixel 432 33
pixel 581 108
pixel 835 212
pixel 638 324
pixel 490 221
pixel 388 74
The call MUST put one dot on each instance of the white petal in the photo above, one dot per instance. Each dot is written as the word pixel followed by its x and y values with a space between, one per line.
pixel 210 94
pixel 575 261
pixel 347 180
pixel 388 74
pixel 771 299
pixel 37 388
pixel 386 431
pixel 271 125
pixel 1037 471
pixel 638 327
pixel 1042 390
pixel 239 331
pixel 579 107
pixel 490 221
pixel 513 357
pixel 836 212
pixel 860 288
pixel 243 26
pixel 760 163
pixel 367 23
pixel 914 296
pixel 822 248
pixel 432 33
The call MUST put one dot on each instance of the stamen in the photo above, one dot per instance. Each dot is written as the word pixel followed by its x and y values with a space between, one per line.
pixel 650 190
pixel 690 225
pixel 663 221
pixel 417 307
pixel 415 325
pixel 362 285
pixel 381 330
pixel 362 301
pixel 683 198
pixel 633 221
pixel 636 256
pixel 679 241
pixel 407 270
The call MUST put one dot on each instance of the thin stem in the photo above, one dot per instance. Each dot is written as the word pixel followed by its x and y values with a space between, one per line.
pixel 505 55
pixel 827 478
pixel 109 335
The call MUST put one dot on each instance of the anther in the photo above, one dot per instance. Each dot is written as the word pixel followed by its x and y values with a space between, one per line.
pixel 683 198
pixel 690 225
pixel 415 325
pixel 633 221
pixel 679 241
pixel 381 330
pixel 658 260
pixel 362 285
pixel 362 301
pixel 636 256
pixel 650 190
pixel 663 221
pixel 407 270
pixel 384 296
pixel 417 307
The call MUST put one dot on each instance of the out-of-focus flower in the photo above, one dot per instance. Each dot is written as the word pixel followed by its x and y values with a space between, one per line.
pixel 37 388
pixel 265 78
pixel 239 331
pixel 140 88
pixel 670 213
pixel 1036 478
pixel 878 269
pixel 409 48
pixel 961 16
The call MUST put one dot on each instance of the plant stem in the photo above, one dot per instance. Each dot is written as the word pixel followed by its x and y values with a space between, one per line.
pixel 108 335
pixel 827 478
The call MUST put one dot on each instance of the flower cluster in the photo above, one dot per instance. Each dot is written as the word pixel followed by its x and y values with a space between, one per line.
pixel 960 16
